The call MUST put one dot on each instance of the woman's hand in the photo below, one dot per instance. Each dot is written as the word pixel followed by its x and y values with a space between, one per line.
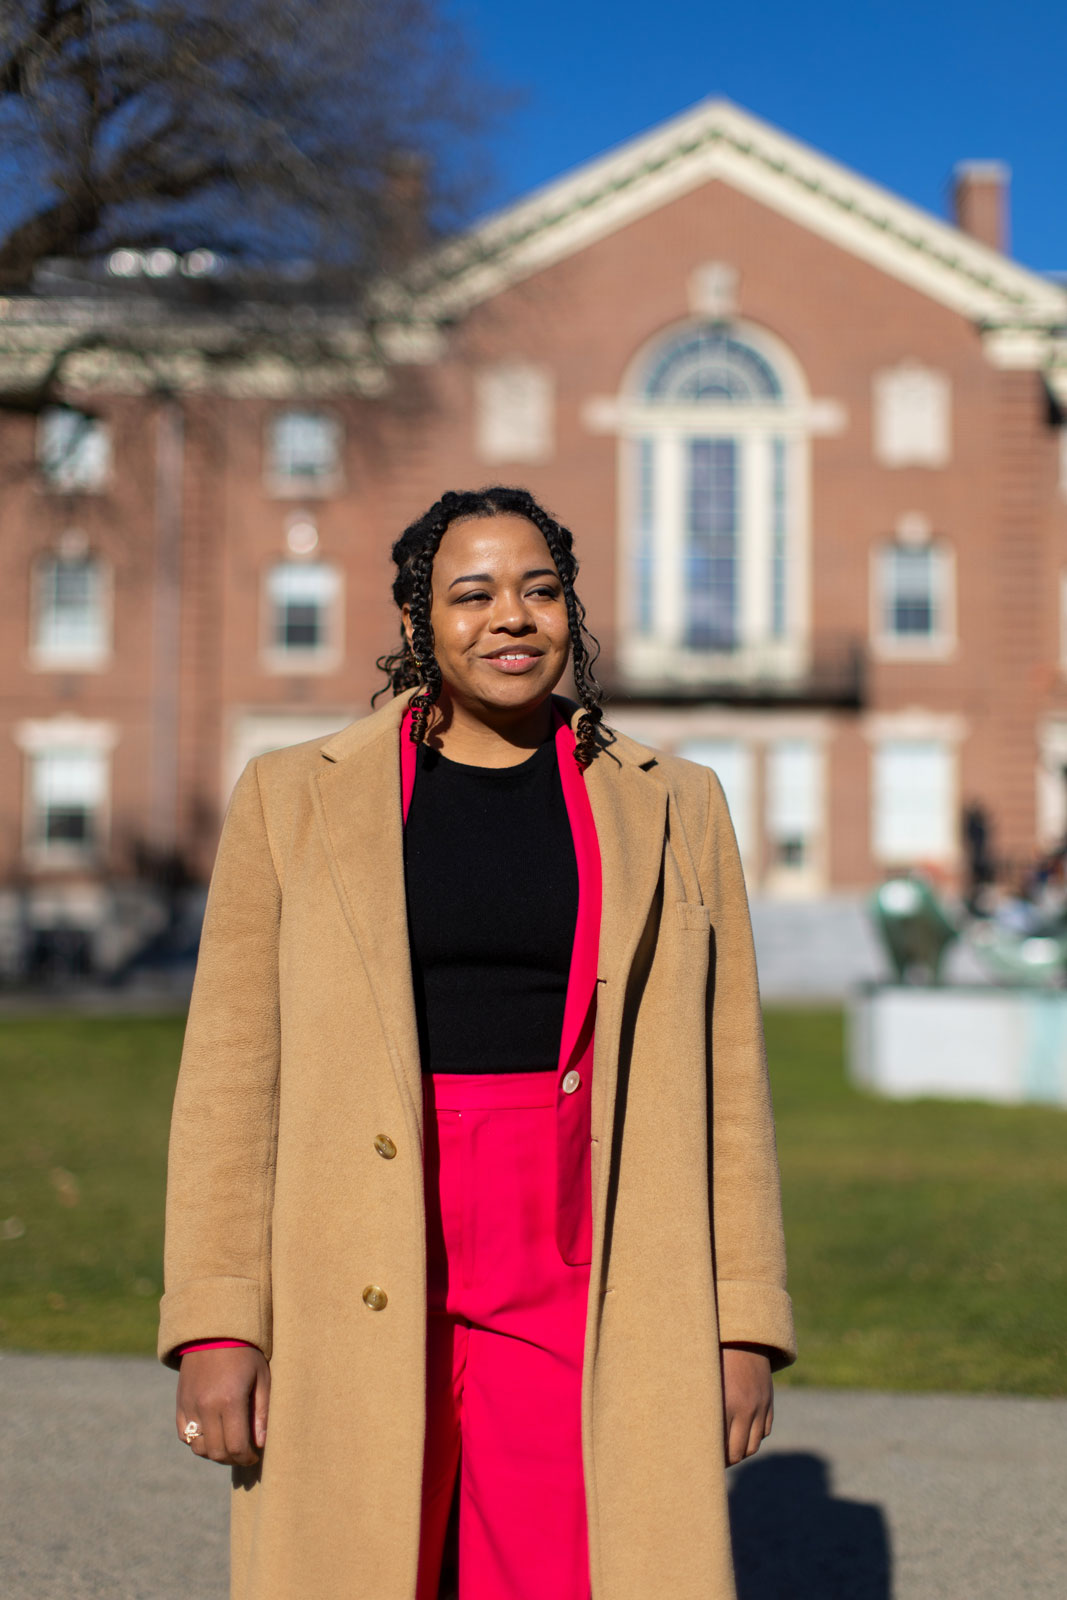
pixel 227 1392
pixel 748 1400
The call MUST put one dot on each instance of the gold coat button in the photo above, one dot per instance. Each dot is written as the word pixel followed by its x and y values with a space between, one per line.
pixel 385 1146
pixel 572 1080
pixel 375 1297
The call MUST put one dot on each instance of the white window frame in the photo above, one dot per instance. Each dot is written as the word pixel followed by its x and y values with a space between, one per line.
pixel 294 485
pixel 314 660
pixel 715 751
pixel 56 736
pixel 935 732
pixel 680 730
pixel 84 466
pixel 937 646
pixel 45 657
pixel 786 879
pixel 1050 788
pixel 663 657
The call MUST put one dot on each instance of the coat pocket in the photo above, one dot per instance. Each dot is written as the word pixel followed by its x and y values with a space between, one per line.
pixel 693 918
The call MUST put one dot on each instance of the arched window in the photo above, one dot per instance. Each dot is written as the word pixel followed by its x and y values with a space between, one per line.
pixel 714 423
pixel 707 366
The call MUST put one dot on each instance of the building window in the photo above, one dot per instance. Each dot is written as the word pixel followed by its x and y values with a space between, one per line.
pixel 731 761
pixel 910 597
pixel 913 598
pixel 794 801
pixel 303 615
pixel 779 504
pixel 68 793
pixel 514 404
pixel 73 450
pixel 1051 778
pixel 714 430
pixel 712 531
pixel 70 621
pixel 645 540
pixel 304 452
pixel 914 801
pixel 706 364
pixel 912 417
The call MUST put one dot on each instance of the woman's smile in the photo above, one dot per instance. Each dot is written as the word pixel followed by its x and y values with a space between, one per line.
pixel 513 658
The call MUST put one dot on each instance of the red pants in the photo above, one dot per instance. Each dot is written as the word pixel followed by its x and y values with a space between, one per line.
pixel 504 1345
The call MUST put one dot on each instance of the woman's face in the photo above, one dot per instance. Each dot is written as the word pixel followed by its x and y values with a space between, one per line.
pixel 498 615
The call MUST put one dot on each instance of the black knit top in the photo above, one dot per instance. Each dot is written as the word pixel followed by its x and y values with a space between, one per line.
pixel 492 900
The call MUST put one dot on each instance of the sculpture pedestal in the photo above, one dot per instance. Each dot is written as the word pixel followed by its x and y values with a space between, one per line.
pixel 1003 1045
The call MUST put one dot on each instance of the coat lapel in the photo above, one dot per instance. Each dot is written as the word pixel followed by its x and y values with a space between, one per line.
pixel 358 805
pixel 629 809
pixel 357 799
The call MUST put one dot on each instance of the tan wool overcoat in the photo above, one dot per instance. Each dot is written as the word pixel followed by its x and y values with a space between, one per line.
pixel 302 1047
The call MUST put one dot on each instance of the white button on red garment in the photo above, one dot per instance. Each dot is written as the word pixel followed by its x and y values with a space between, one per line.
pixel 571 1081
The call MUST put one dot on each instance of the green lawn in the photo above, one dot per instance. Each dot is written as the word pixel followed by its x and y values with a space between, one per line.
pixel 83 1144
pixel 925 1239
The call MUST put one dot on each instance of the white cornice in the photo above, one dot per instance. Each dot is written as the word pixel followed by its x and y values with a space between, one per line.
pixel 134 345
pixel 1016 348
pixel 138 346
pixel 717 140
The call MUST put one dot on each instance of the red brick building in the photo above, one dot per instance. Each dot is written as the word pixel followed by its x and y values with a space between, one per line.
pixel 810 440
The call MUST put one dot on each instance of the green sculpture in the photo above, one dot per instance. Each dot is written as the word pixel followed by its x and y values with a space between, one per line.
pixel 915 928
pixel 916 931
pixel 1025 961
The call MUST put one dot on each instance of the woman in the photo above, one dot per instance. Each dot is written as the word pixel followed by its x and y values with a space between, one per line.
pixel 472 1156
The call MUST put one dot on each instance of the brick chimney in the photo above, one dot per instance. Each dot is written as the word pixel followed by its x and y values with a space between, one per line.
pixel 404 231
pixel 980 201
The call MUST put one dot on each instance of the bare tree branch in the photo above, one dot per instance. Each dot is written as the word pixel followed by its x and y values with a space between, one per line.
pixel 273 124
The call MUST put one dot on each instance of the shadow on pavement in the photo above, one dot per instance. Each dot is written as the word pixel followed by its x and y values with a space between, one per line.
pixel 794 1541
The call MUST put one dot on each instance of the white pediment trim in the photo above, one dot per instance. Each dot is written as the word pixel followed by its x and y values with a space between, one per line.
pixel 716 140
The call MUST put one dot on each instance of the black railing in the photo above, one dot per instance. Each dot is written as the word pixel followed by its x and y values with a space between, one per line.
pixel 834 674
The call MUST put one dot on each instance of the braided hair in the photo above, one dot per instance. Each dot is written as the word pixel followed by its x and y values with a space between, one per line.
pixel 414 665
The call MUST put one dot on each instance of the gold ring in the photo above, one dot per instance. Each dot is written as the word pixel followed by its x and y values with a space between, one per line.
pixel 191 1431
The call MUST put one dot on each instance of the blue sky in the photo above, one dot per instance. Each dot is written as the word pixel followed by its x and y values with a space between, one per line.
pixel 899 92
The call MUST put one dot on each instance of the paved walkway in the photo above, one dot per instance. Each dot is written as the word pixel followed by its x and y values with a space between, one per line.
pixel 857 1496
